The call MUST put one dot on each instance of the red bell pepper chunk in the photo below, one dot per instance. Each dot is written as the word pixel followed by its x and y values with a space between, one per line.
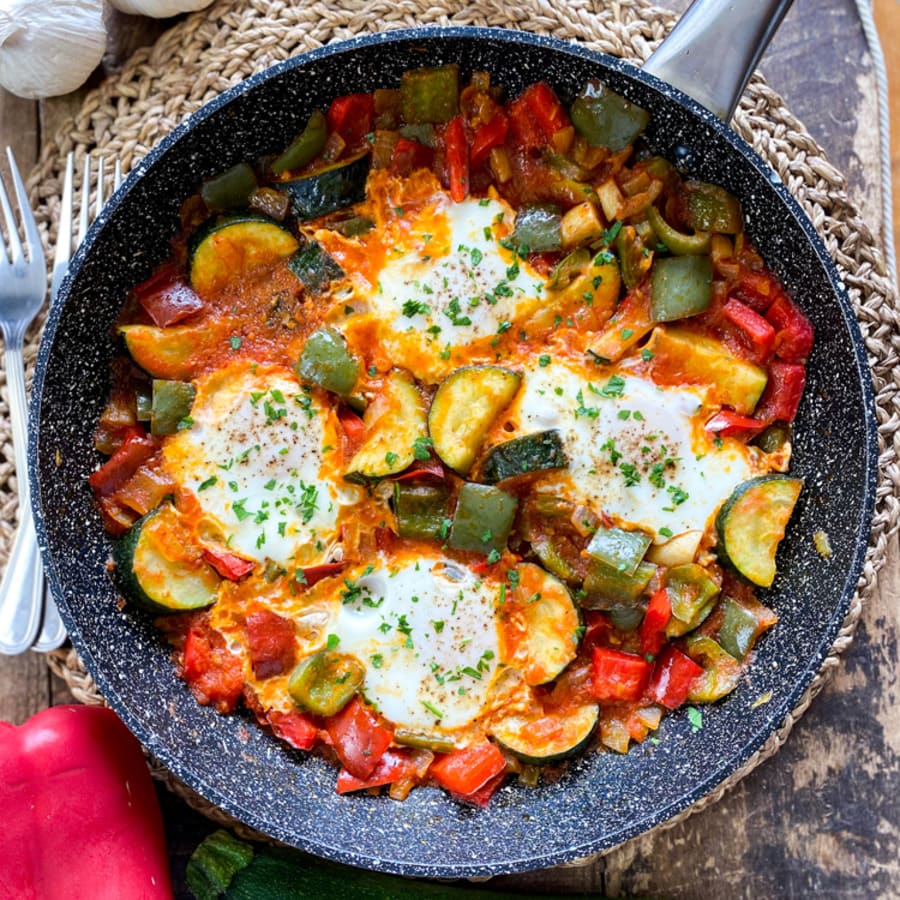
pixel 313 574
pixel 464 771
pixel 215 675
pixel 167 297
pixel 395 765
pixel 757 290
pixel 536 116
pixel 616 675
pixel 297 728
pixel 136 449
pixel 482 797
pixel 227 564
pixel 359 738
pixel 422 469
pixel 727 423
pixel 751 336
pixel 672 678
pixel 352 116
pixel 272 641
pixel 653 627
pixel 408 156
pixel 457 152
pixel 487 136
pixel 353 425
pixel 82 815
pixel 793 331
pixel 781 398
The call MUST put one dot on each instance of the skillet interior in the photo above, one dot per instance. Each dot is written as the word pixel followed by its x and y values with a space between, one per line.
pixel 604 798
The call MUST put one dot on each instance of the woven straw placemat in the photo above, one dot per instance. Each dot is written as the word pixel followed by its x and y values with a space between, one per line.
pixel 211 50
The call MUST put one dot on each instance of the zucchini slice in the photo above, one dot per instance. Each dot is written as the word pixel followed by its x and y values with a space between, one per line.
pixel 524 455
pixel 315 267
pixel 542 739
pixel 464 406
pixel 157 569
pixel 752 522
pixel 328 189
pixel 167 353
pixel 542 624
pixel 394 420
pixel 225 247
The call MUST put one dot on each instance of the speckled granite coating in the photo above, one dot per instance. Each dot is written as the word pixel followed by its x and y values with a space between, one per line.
pixel 604 798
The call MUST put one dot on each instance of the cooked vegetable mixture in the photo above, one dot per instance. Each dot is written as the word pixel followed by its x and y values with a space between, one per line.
pixel 453 441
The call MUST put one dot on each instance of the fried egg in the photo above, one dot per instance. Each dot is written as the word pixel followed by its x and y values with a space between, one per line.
pixel 426 630
pixel 256 456
pixel 449 284
pixel 637 452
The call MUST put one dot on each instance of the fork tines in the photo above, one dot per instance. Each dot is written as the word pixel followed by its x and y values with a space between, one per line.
pixel 15 252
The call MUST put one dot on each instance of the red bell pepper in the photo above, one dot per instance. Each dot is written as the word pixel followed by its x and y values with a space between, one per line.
pixel 167 297
pixel 465 771
pixel 214 674
pixel 793 331
pixel 395 765
pixel 487 136
pixel 727 423
pixel 353 426
pixel 653 627
pixel 757 290
pixel 352 117
pixel 781 398
pixel 408 156
pixel 359 738
pixel 313 574
pixel 672 678
pixel 616 675
pixel 81 814
pixel 536 116
pixel 747 333
pixel 227 564
pixel 456 148
pixel 272 641
pixel 136 449
pixel 297 728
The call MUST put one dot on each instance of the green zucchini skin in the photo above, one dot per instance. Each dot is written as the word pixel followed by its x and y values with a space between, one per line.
pixel 328 190
pixel 523 456
pixel 751 523
pixel 315 267
pixel 149 579
pixel 576 729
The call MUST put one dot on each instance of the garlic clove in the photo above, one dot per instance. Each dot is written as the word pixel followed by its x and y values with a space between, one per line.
pixel 158 9
pixel 49 47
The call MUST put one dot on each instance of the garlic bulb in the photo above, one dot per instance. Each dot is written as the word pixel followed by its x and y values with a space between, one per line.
pixel 49 47
pixel 158 9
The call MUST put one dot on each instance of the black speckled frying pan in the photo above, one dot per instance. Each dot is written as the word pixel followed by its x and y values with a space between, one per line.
pixel 604 798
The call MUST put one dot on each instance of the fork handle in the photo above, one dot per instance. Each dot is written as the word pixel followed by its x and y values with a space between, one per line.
pixel 20 621
pixel 18 414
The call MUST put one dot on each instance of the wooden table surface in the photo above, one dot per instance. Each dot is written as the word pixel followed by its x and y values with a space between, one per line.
pixel 821 818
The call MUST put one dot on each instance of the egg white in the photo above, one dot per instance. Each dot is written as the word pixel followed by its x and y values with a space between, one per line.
pixel 637 452
pixel 254 456
pixel 438 293
pixel 427 634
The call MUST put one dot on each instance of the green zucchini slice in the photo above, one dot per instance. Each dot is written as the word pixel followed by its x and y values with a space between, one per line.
pixel 464 407
pixel 394 420
pixel 315 267
pixel 547 738
pixel 328 189
pixel 752 522
pixel 524 456
pixel 167 353
pixel 549 640
pixel 155 570
pixel 226 247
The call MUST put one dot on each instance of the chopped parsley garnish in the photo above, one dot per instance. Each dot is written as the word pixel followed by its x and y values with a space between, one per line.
pixel 235 342
pixel 415 308
pixel 390 457
pixel 544 360
pixel 208 483
pixel 332 642
pixel 421 447
pixel 432 709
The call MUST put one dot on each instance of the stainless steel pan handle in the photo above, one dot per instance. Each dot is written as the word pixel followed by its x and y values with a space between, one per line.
pixel 714 48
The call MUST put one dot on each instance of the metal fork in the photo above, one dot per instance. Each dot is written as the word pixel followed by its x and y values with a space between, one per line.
pixel 23 285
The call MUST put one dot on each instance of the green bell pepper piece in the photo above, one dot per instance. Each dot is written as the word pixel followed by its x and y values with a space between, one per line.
pixel 421 509
pixel 170 404
pixel 721 671
pixel 327 363
pixel 430 95
pixel 537 228
pixel 606 119
pixel 325 682
pixel 483 518
pixel 680 286
pixel 231 189
pixel 676 241
pixel 635 258
pixel 692 594
pixel 621 550
pixel 143 401
pixel 305 147
pixel 738 630
pixel 773 438
pixel 626 617
pixel 708 207
pixel 606 587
